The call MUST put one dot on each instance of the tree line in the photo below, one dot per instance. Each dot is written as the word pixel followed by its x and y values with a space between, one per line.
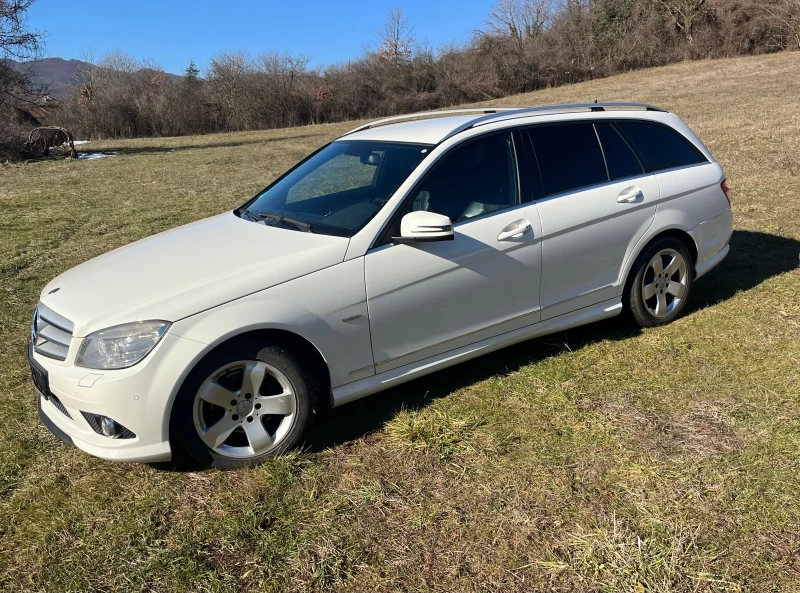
pixel 524 45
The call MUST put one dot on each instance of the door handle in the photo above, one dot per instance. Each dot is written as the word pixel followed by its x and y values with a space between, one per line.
pixel 520 229
pixel 629 195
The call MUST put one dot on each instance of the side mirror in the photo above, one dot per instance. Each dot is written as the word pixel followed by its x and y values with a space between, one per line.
pixel 422 226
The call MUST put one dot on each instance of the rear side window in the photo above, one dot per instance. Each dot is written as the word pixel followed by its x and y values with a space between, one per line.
pixel 660 147
pixel 569 157
pixel 620 159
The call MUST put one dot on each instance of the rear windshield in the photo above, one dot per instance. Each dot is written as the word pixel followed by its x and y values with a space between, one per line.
pixel 340 188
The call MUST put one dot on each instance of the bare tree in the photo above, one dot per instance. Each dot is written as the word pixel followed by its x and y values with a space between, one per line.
pixel 396 37
pixel 786 16
pixel 227 76
pixel 15 40
pixel 121 96
pixel 519 19
pixel 686 14
pixel 279 79
pixel 16 82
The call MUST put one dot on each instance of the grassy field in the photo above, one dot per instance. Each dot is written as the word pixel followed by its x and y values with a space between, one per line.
pixel 604 458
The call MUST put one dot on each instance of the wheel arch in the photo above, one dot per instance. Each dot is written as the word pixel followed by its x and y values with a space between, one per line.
pixel 678 233
pixel 294 342
pixel 290 340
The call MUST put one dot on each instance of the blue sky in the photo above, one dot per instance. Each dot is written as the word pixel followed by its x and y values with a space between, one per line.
pixel 172 32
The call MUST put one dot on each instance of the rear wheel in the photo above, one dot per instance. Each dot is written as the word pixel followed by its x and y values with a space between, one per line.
pixel 660 288
pixel 241 405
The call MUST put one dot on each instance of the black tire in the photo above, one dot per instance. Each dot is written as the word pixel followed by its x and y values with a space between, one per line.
pixel 185 439
pixel 642 309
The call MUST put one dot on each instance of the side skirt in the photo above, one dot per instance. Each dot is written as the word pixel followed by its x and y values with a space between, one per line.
pixel 368 386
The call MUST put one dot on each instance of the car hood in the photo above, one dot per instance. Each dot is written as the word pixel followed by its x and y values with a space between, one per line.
pixel 186 270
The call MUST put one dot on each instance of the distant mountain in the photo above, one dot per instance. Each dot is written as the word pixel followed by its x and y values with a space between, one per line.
pixel 55 74
pixel 58 75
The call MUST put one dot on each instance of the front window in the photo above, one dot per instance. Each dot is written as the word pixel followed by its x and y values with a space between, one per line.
pixel 475 178
pixel 339 189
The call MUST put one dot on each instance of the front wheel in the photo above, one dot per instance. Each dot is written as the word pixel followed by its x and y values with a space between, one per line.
pixel 242 405
pixel 663 278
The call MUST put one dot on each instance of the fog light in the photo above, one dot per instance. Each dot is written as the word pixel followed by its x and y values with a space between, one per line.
pixel 109 427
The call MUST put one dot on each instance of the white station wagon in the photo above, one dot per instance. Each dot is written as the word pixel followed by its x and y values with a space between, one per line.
pixel 405 246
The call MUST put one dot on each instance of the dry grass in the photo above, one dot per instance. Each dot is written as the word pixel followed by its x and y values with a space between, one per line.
pixel 601 459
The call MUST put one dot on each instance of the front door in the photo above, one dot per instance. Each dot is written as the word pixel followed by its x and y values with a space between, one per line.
pixel 428 298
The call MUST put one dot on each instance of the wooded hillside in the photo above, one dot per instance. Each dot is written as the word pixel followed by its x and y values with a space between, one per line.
pixel 524 45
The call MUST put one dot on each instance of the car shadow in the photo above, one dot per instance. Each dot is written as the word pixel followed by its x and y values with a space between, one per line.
pixel 754 257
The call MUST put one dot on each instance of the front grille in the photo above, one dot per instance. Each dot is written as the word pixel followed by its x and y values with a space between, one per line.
pixel 94 422
pixel 57 403
pixel 51 333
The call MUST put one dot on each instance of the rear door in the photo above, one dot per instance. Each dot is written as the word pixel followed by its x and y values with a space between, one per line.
pixel 598 202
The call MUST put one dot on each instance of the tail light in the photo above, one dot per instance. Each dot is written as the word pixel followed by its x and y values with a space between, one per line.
pixel 725 190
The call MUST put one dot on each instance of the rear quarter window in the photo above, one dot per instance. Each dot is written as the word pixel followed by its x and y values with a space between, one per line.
pixel 660 147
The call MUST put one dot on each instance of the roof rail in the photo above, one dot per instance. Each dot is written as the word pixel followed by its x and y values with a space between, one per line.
pixel 545 110
pixel 388 120
pixel 490 114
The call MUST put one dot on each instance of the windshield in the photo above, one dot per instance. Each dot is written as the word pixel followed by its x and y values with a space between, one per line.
pixel 340 188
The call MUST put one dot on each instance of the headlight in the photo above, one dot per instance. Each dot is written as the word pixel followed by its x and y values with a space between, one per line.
pixel 120 346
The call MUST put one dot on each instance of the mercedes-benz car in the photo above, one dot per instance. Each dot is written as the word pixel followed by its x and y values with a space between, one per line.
pixel 403 247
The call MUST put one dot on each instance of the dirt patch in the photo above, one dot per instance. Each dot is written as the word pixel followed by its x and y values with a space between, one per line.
pixel 705 431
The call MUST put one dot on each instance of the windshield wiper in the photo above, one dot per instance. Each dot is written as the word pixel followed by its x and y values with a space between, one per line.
pixel 251 214
pixel 298 224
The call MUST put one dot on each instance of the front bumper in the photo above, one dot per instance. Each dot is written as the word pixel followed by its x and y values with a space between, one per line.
pixel 140 398
pixel 52 427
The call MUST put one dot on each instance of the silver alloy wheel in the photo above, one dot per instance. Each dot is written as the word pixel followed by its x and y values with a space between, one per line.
pixel 244 409
pixel 665 283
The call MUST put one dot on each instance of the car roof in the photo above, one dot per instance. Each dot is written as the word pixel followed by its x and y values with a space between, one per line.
pixel 422 131
pixel 441 125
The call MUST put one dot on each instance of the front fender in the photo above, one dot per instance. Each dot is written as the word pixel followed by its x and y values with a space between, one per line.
pixel 222 323
pixel 313 307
